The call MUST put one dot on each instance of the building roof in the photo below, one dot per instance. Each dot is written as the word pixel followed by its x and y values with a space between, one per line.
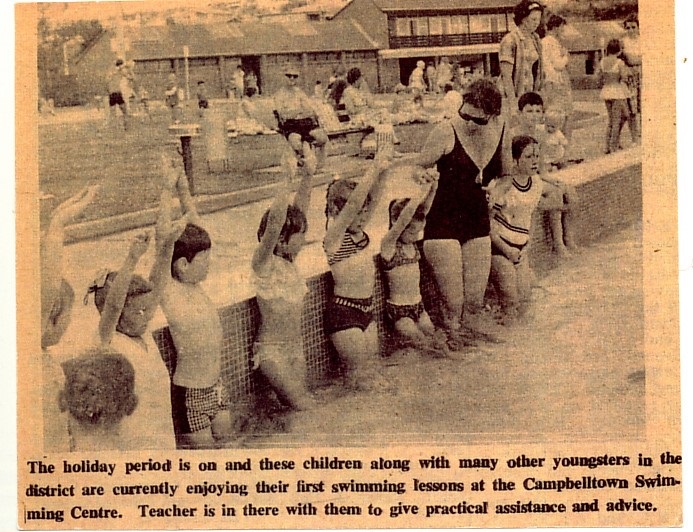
pixel 440 5
pixel 249 38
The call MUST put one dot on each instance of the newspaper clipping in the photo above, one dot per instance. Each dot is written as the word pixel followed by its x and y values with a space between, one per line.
pixel 347 264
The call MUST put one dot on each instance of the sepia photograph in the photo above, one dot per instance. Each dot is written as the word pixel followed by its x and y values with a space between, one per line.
pixel 347 224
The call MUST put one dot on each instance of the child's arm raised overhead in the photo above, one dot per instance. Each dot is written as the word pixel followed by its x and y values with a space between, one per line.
pixel 335 232
pixel 167 232
pixel 277 214
pixel 52 245
pixel 118 291
pixel 187 202
pixel 388 244
pixel 431 177
pixel 305 187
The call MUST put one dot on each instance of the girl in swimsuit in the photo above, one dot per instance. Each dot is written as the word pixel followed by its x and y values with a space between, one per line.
pixel 278 350
pixel 349 314
pixel 400 256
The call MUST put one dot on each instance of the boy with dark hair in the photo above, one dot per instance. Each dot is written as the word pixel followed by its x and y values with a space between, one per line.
pixel 200 400
pixel 559 198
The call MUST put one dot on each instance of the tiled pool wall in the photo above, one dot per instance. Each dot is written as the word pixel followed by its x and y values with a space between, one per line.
pixel 607 204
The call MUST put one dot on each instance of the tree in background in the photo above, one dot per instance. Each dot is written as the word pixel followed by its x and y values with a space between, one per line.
pixel 57 47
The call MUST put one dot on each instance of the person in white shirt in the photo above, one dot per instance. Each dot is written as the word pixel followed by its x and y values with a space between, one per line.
pixel 451 102
pixel 557 92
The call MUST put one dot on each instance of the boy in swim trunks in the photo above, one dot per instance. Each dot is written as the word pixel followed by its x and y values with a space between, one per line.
pixel 296 116
pixel 199 399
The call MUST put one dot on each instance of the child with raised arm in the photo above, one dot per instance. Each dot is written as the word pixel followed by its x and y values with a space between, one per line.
pixel 200 400
pixel 400 257
pixel 127 303
pixel 278 350
pixel 512 200
pixel 346 244
pixel 99 392
pixel 57 298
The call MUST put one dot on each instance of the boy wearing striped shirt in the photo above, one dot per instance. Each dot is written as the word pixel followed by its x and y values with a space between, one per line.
pixel 512 201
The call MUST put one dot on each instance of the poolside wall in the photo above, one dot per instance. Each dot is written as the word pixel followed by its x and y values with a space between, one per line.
pixel 609 201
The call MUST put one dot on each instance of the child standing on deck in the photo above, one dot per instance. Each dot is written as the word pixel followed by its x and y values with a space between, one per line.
pixel 560 198
pixel 200 400
pixel 400 257
pixel 614 76
pixel 512 200
pixel 278 350
pixel 127 302
pixel 346 244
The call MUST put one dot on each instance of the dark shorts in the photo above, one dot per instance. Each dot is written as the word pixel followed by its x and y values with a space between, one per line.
pixel 345 313
pixel 300 126
pixel 116 98
pixel 203 104
pixel 195 408
pixel 394 313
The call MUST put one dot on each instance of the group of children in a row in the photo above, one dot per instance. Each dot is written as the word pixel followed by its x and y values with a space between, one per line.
pixel 120 396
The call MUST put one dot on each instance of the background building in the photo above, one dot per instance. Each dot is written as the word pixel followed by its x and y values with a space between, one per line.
pixel 466 31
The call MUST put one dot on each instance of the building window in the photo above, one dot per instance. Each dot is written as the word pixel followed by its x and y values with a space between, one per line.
pixel 403 27
pixel 479 24
pixel 459 25
pixel 445 25
pixel 435 25
pixel 498 23
pixel 421 26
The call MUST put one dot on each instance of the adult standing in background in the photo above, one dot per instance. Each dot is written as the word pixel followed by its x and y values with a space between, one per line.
pixel 557 92
pixel 444 73
pixel 251 83
pixel 431 77
pixel 417 86
pixel 239 82
pixel 520 54
pixel 632 57
pixel 118 90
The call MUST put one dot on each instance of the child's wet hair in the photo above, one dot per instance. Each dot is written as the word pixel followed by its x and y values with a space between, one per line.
pixel 193 240
pixel 295 222
pixel 138 286
pixel 338 193
pixel 99 388
pixel 519 144
pixel 397 206
pixel 529 98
